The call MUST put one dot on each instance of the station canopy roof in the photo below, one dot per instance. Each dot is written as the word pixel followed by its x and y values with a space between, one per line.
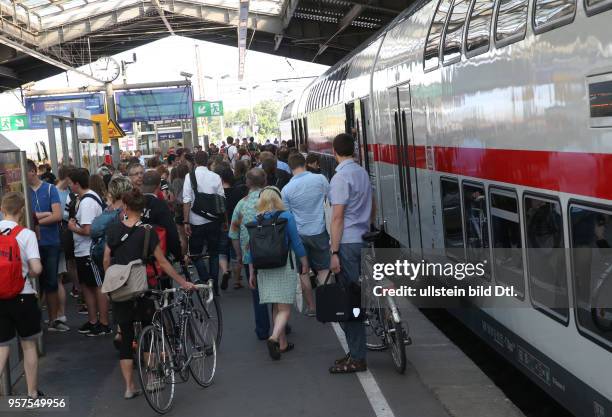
pixel 40 38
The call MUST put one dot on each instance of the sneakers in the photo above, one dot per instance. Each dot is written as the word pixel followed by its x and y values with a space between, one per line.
pixel 63 319
pixel 87 327
pixel 310 313
pixel 132 394
pixel 99 329
pixel 82 309
pixel 58 326
pixel 74 293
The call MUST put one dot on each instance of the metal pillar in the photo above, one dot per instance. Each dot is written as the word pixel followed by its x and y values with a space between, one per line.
pixel 52 144
pixel 112 115
pixel 195 140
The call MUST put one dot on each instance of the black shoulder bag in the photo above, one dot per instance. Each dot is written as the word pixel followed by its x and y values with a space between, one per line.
pixel 209 206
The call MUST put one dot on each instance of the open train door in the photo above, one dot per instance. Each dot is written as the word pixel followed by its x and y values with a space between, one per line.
pixel 400 109
pixel 356 127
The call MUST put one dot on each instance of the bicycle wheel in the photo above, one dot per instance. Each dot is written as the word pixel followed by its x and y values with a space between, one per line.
pixel 396 342
pixel 212 313
pixel 155 369
pixel 375 340
pixel 200 349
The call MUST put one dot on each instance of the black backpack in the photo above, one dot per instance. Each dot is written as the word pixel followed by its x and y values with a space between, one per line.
pixel 209 206
pixel 267 242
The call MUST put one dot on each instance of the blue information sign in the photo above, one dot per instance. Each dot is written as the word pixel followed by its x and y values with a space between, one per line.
pixel 170 135
pixel 38 108
pixel 157 104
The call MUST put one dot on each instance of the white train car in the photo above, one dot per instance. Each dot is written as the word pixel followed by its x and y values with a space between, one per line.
pixel 488 124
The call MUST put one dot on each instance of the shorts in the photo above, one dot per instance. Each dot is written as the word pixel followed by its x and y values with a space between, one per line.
pixel 88 272
pixel 19 316
pixel 317 251
pixel 49 257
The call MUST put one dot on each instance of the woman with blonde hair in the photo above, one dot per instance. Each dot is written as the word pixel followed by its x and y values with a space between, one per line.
pixel 277 286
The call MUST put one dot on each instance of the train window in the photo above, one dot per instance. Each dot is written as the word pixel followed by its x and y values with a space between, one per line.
pixel 511 24
pixel 453 36
pixel 597 6
pixel 451 217
pixel 591 239
pixel 549 14
pixel 476 224
pixel 432 46
pixel 507 244
pixel 600 100
pixel 479 27
pixel 546 255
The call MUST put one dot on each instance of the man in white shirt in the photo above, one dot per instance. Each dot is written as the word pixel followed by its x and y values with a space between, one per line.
pixel 203 232
pixel 20 315
pixel 232 151
pixel 89 207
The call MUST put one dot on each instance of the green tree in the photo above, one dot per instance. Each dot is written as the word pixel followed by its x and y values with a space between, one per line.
pixel 267 113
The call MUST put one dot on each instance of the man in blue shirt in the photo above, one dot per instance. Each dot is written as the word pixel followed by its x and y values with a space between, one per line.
pixel 47 208
pixel 305 196
pixel 350 195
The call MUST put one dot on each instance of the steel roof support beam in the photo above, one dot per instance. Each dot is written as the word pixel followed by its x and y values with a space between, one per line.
pixel 29 51
pixel 346 21
pixel 160 10
pixel 287 13
pixel 83 27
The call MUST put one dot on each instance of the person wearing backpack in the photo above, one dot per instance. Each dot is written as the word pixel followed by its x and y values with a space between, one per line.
pixel 19 312
pixel 89 206
pixel 277 284
pixel 112 215
pixel 125 241
pixel 157 214
pixel 204 229
pixel 48 211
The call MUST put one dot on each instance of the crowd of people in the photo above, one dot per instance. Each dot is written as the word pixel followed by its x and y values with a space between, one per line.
pixel 86 222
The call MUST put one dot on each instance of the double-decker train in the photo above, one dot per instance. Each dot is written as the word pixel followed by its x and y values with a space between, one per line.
pixel 487 124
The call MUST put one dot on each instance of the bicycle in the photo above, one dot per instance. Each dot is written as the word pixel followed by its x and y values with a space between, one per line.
pixel 211 309
pixel 183 345
pixel 383 318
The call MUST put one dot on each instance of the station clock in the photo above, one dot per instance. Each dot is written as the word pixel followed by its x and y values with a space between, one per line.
pixel 106 69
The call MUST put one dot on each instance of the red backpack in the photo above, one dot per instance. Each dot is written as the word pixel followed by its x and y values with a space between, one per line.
pixel 11 275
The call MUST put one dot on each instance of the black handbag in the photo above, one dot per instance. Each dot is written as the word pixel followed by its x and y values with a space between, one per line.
pixel 209 206
pixel 338 301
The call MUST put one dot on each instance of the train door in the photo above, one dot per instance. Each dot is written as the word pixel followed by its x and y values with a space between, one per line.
pixel 355 126
pixel 301 134
pixel 305 143
pixel 401 113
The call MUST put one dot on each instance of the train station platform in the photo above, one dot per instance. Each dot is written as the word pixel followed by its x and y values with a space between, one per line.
pixel 440 381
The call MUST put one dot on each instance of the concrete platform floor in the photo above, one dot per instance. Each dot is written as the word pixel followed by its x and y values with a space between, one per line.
pixel 440 381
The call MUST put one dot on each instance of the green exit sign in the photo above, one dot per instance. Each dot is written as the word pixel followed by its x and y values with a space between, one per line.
pixel 13 122
pixel 207 108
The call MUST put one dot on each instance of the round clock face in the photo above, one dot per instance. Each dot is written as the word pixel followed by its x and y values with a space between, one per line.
pixel 106 69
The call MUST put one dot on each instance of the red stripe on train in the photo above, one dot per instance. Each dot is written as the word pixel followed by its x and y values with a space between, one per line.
pixel 571 172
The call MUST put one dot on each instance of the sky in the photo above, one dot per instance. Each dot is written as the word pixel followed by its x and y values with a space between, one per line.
pixel 165 59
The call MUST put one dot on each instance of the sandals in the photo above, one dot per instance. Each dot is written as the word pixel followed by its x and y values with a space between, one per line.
pixel 342 359
pixel 238 285
pixel 274 349
pixel 348 367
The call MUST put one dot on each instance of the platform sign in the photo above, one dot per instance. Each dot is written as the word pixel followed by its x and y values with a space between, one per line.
pixel 38 108
pixel 110 129
pixel 155 104
pixel 170 135
pixel 207 108
pixel 19 122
